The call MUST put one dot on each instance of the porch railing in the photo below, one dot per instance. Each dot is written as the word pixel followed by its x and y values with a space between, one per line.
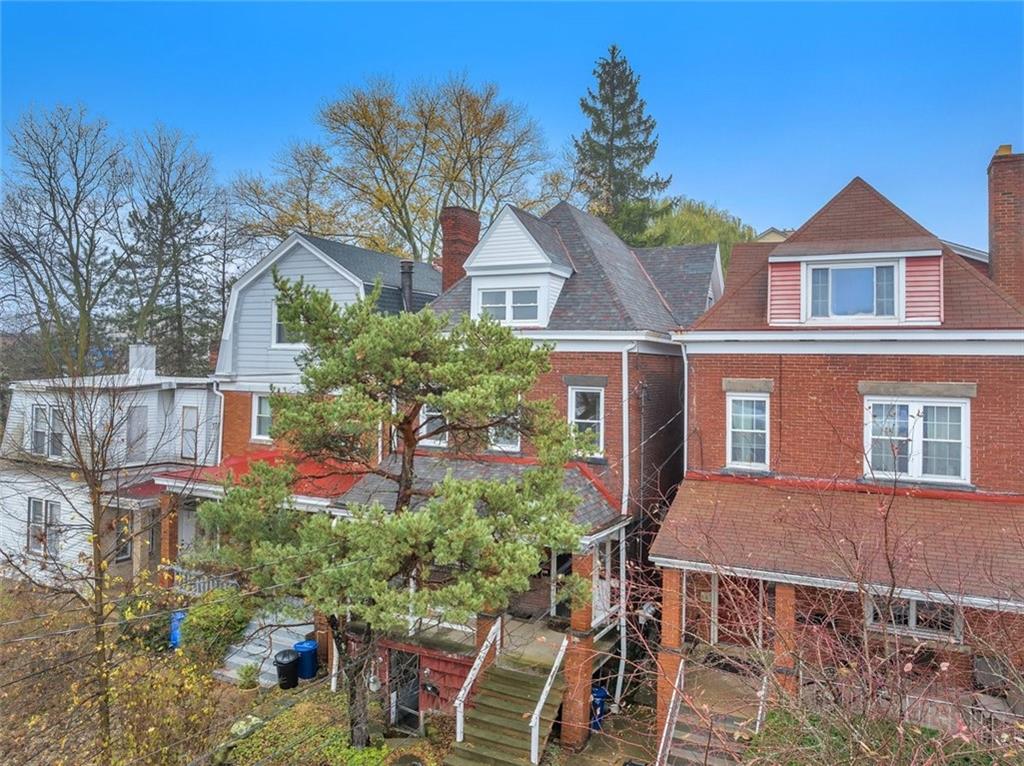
pixel 192 582
pixel 665 744
pixel 492 640
pixel 535 718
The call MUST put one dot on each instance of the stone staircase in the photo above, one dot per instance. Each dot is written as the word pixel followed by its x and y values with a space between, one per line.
pixel 497 731
pixel 260 642
pixel 709 739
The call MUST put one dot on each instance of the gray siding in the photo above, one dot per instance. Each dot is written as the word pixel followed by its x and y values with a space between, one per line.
pixel 253 327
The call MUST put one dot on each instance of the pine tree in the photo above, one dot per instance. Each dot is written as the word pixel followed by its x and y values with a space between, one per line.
pixel 613 153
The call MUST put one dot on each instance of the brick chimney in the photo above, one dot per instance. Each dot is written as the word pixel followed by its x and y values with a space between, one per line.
pixel 1006 221
pixel 460 231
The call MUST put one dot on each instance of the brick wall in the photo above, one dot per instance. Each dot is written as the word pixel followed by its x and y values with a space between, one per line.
pixel 238 425
pixel 1006 221
pixel 816 412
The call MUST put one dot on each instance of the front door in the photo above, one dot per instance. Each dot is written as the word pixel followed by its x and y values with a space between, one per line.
pixel 404 685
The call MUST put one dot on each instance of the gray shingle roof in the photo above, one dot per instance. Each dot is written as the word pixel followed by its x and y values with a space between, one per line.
pixel 594 511
pixel 683 275
pixel 611 287
pixel 368 265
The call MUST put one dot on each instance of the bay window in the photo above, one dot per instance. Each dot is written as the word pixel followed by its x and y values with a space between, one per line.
pixel 917 439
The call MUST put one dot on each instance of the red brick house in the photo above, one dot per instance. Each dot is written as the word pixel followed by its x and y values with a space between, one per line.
pixel 855 404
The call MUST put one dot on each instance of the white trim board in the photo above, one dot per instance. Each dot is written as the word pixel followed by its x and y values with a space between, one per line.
pixel 825 257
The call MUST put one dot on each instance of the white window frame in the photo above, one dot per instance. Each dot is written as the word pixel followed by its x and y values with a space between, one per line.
pixel 254 434
pixel 729 462
pixel 571 412
pixel 51 519
pixel 124 552
pixel 442 439
pixel 806 292
pixel 916 432
pixel 911 629
pixel 134 453
pixel 184 430
pixel 495 446
pixel 52 414
pixel 273 332
pixel 509 291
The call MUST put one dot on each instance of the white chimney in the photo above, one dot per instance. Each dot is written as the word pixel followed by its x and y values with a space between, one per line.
pixel 142 361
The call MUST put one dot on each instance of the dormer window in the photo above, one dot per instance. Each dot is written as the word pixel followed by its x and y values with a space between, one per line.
pixel 510 306
pixel 851 291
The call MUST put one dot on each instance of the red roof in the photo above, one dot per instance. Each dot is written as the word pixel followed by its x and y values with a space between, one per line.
pixel 141 491
pixel 313 478
pixel 957 543
pixel 858 219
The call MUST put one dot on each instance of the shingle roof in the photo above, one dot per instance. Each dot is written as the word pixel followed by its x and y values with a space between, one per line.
pixel 957 546
pixel 682 274
pixel 369 265
pixel 595 510
pixel 610 288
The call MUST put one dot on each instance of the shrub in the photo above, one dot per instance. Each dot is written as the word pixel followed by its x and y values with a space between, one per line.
pixel 215 622
pixel 248 676
pixel 147 618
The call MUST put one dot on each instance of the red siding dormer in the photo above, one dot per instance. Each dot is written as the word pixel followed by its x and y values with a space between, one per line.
pixel 924 289
pixel 783 293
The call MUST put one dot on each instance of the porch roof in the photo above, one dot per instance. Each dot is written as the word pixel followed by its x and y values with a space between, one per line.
pixel 967 547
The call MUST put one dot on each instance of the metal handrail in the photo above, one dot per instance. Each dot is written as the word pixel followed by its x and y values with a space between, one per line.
pixel 670 718
pixel 535 718
pixel 460 700
pixel 762 703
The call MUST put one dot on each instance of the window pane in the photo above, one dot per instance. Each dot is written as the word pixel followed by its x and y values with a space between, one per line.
pixel 524 297
pixel 938 617
pixel 885 291
pixel 505 438
pixel 748 447
pixel 890 438
pixel 189 432
pixel 942 422
pixel 819 292
pixel 263 418
pixel 587 405
pixel 524 312
pixel 52 528
pixel 895 612
pixel 56 432
pixel 284 336
pixel 853 291
pixel 39 430
pixel 137 431
pixel 942 447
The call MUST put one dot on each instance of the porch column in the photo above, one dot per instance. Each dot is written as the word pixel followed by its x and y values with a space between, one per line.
pixel 579 663
pixel 785 637
pixel 169 504
pixel 140 542
pixel 669 653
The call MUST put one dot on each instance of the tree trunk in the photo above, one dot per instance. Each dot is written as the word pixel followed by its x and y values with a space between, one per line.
pixel 98 616
pixel 358 697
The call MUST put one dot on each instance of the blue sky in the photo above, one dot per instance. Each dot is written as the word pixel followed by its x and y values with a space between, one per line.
pixel 765 109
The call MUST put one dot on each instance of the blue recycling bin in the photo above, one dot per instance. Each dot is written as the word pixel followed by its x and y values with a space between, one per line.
pixel 599 707
pixel 175 638
pixel 307 658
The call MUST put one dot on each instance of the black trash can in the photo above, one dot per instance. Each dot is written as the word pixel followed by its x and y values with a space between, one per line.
pixel 287 663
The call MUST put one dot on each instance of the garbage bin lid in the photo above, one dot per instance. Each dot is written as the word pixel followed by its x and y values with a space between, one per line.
pixel 305 646
pixel 286 656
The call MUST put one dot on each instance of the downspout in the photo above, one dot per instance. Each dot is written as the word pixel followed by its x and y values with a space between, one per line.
pixel 620 681
pixel 625 430
pixel 622 534
pixel 686 413
pixel 220 421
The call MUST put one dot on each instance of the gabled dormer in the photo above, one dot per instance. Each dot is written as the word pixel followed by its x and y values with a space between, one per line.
pixel 517 270
pixel 859 261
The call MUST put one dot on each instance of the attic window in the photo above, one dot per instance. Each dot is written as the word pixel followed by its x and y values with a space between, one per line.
pixel 852 290
pixel 510 306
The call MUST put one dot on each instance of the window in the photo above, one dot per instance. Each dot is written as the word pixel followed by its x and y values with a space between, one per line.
pixel 138 430
pixel 853 291
pixel 261 420
pixel 916 617
pixel 505 438
pixel 917 439
pixel 431 419
pixel 586 414
pixel 516 306
pixel 282 335
pixel 47 431
pixel 189 432
pixel 43 527
pixel 747 431
pixel 123 539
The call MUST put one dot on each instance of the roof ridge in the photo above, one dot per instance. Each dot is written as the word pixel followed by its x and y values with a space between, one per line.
pixel 728 293
pixel 643 270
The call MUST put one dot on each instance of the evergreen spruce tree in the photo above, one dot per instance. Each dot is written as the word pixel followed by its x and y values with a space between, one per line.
pixel 612 155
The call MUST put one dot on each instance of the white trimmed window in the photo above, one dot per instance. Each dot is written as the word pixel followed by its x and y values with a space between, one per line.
pixel 137 434
pixel 586 414
pixel 431 420
pixel 261 419
pixel 282 337
pixel 915 617
pixel 504 438
pixel 123 541
pixel 514 306
pixel 43 527
pixel 852 291
pixel 917 439
pixel 189 433
pixel 47 431
pixel 746 434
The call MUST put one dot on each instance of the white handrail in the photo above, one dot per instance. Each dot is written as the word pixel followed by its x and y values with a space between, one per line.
pixel 670 718
pixel 460 700
pixel 762 702
pixel 535 718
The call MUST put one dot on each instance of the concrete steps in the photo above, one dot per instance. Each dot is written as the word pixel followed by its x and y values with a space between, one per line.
pixel 497 730
pixel 260 642
pixel 715 740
